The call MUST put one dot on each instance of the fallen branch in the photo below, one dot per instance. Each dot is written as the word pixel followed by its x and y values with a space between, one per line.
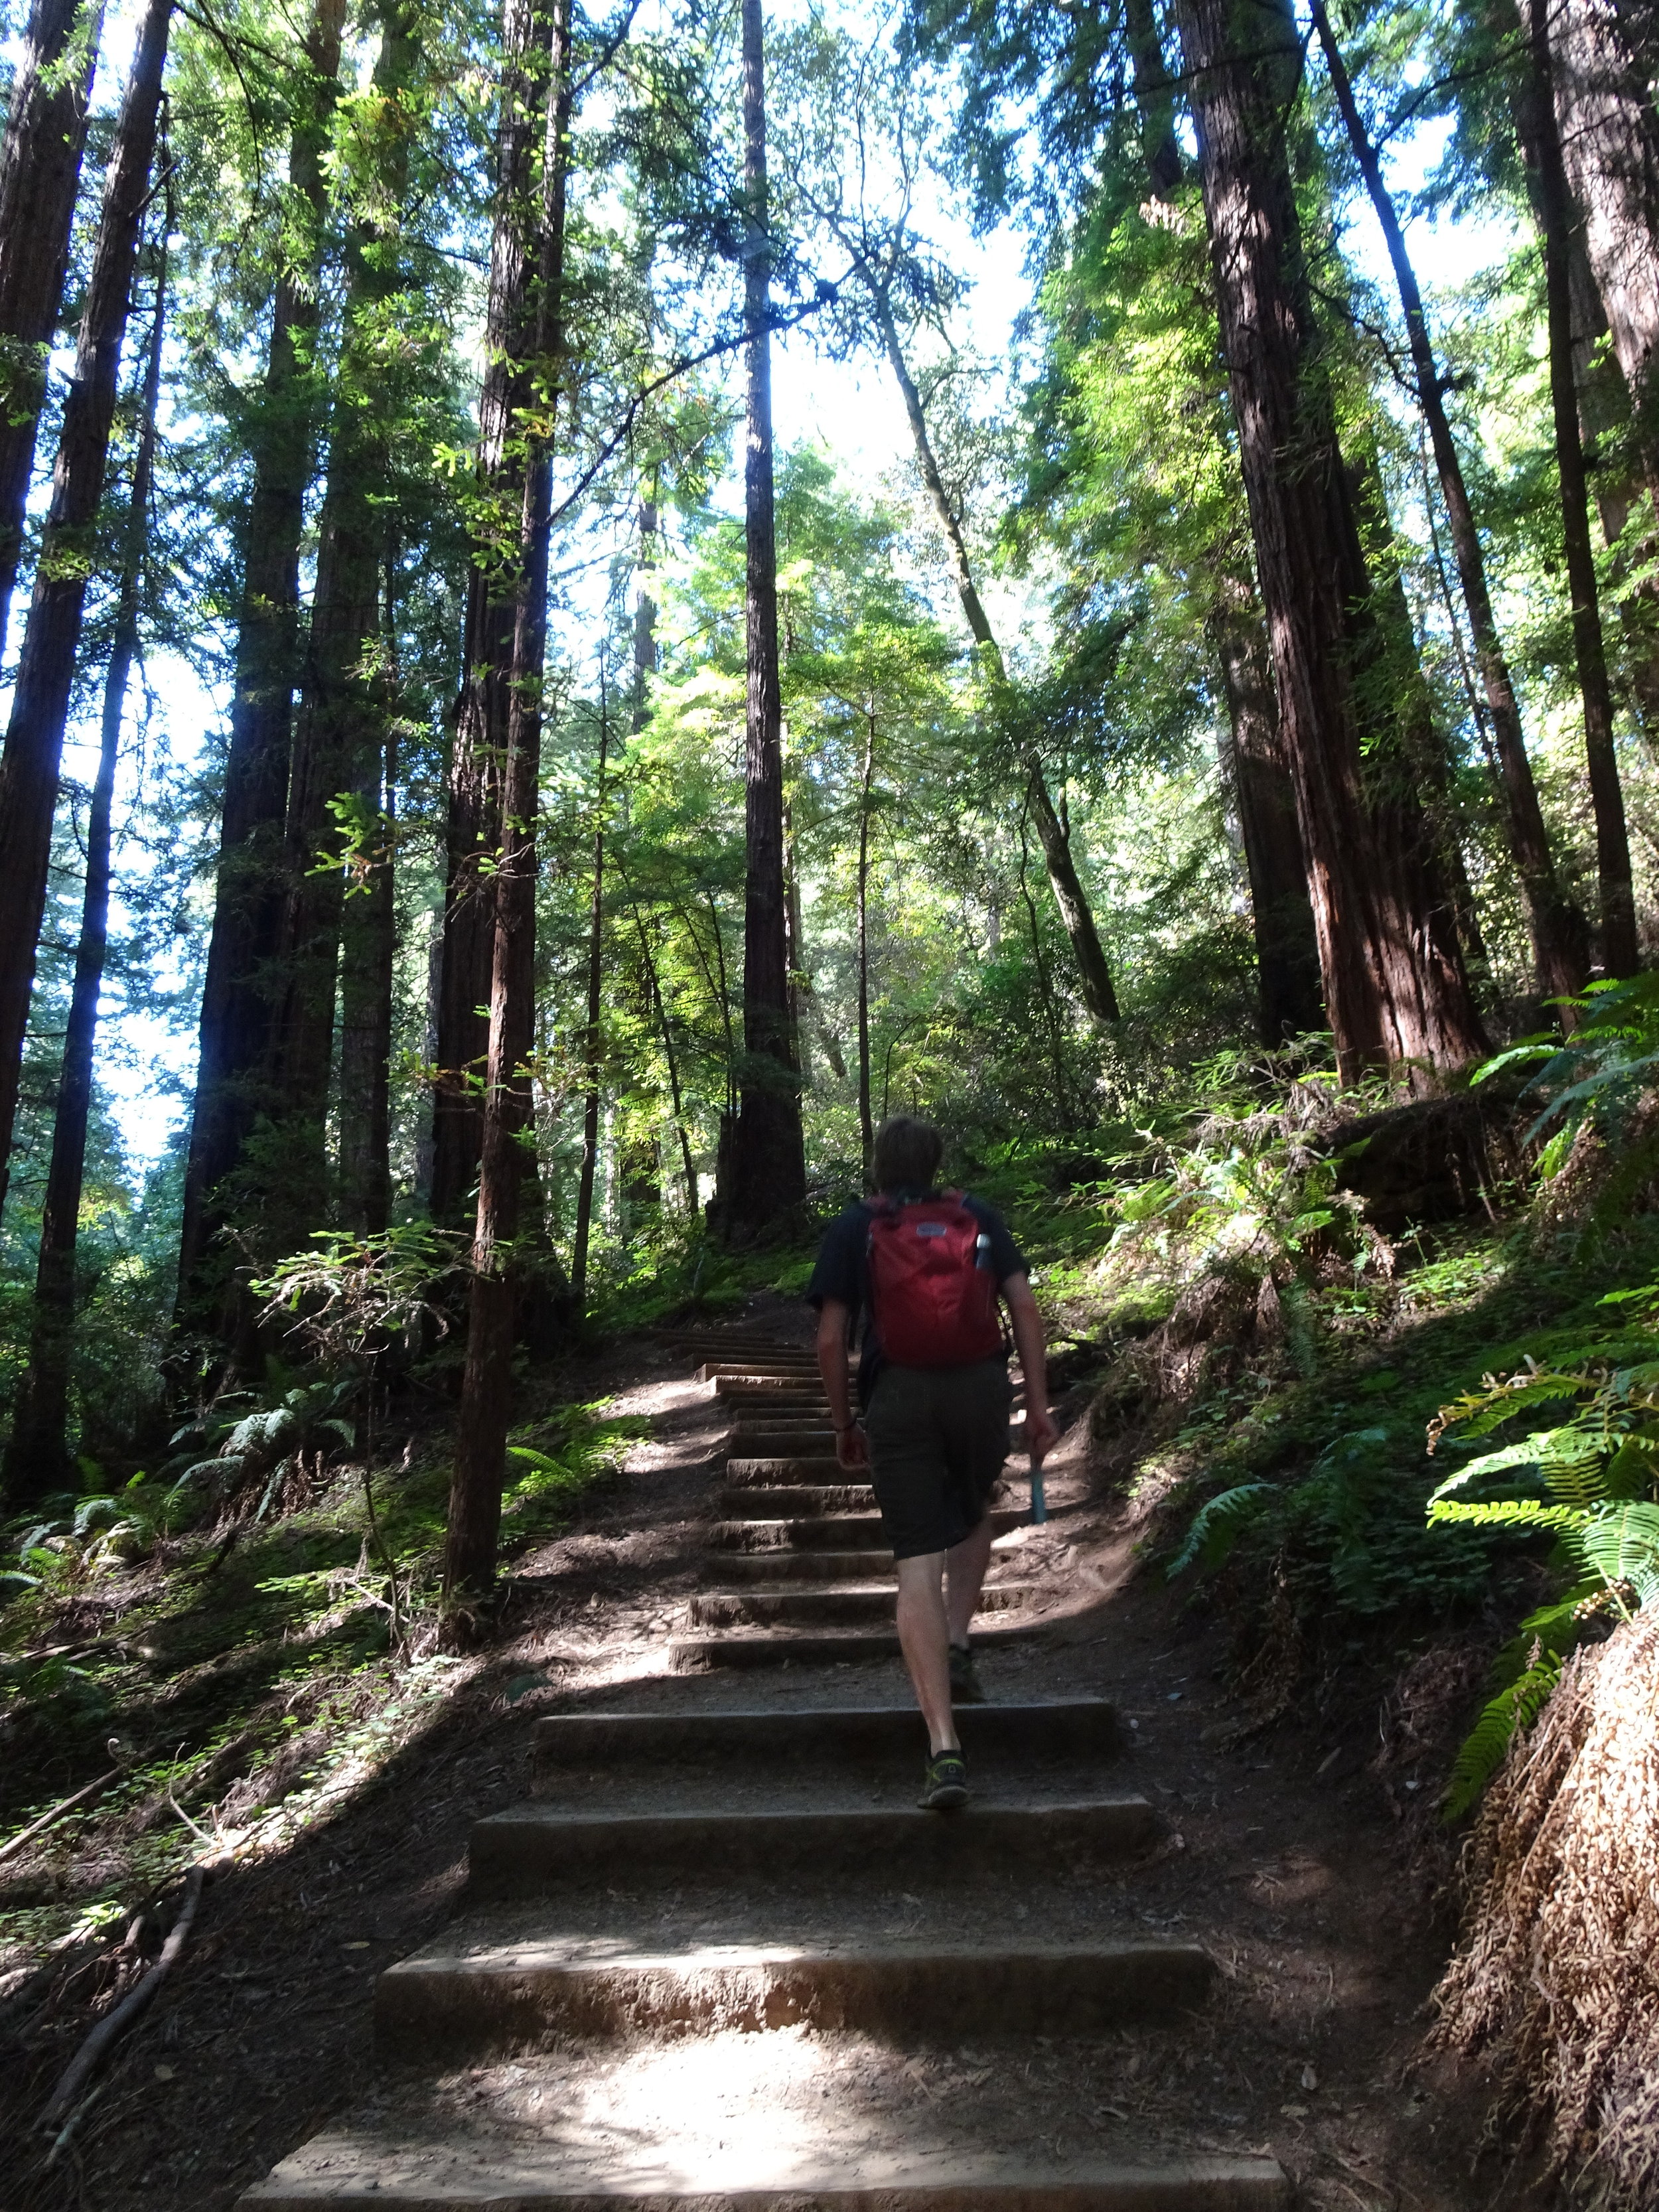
pixel 66 1805
pixel 115 2024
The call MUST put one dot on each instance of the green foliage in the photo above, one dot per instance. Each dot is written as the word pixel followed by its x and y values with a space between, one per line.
pixel 1588 1475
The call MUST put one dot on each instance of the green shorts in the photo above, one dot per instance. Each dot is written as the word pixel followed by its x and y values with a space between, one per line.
pixel 938 1437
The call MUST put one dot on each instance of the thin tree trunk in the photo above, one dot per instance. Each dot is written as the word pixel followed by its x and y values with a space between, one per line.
pixel 591 1041
pixel 645 614
pixel 1540 141
pixel 37 1456
pixel 1287 949
pixel 1558 953
pixel 39 176
pixel 1608 139
pixel 655 985
pixel 1045 988
pixel 768 1165
pixel 867 1128
pixel 1154 96
pixel 530 225
pixel 46 672
pixel 368 952
pixel 1076 914
pixel 236 1018
pixel 1394 987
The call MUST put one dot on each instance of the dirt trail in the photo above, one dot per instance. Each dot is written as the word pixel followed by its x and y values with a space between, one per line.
pixel 673 1953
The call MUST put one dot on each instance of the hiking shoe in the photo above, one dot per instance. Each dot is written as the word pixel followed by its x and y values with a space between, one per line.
pixel 945 1785
pixel 965 1681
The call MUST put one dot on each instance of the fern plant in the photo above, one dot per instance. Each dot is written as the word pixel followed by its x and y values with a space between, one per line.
pixel 1590 1477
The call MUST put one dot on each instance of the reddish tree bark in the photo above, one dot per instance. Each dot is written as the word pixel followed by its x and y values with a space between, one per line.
pixel 37 1455
pixel 238 989
pixel 46 672
pixel 39 175
pixel 591 1044
pixel 529 260
pixel 1608 137
pixel 1541 145
pixel 1281 919
pixel 765 1157
pixel 1394 987
pixel 1558 947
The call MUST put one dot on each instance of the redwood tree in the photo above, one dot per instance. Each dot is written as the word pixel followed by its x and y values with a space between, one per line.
pixel 37 1457
pixel 1559 952
pixel 40 173
pixel 526 284
pixel 765 1158
pixel 237 994
pixel 51 639
pixel 1394 980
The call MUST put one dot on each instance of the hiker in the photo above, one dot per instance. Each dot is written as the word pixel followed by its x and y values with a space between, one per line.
pixel 926 1267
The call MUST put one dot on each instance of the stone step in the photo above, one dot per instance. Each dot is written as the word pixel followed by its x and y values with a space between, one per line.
pixel 1053 1727
pixel 467 1995
pixel 778 1565
pixel 834 1647
pixel 828 1608
pixel 824 1533
pixel 801 1441
pixel 805 1370
pixel 768 1387
pixel 799 1501
pixel 823 1467
pixel 426 2171
pixel 527 1851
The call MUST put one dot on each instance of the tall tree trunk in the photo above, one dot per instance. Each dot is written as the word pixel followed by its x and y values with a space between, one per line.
pixel 340 745
pixel 484 709
pixel 591 1044
pixel 1076 914
pixel 1542 144
pixel 1287 950
pixel 1608 140
pixel 1558 947
pixel 766 1158
pixel 39 176
pixel 46 671
pixel 1393 982
pixel 866 1125
pixel 527 273
pixel 37 1455
pixel 1253 756
pixel 238 990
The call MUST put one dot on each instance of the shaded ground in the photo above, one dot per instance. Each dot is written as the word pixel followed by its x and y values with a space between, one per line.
pixel 1283 1854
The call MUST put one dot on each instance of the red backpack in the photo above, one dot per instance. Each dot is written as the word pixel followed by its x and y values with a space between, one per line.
pixel 932 1290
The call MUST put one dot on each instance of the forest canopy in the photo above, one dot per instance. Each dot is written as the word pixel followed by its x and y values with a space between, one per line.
pixel 514 826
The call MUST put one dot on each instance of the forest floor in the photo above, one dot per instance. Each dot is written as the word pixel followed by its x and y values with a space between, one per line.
pixel 1297 1854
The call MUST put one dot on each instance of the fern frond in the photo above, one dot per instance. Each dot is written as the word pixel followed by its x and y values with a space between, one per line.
pixel 1506 1512
pixel 1482 1750
pixel 1216 1526
pixel 1622 1545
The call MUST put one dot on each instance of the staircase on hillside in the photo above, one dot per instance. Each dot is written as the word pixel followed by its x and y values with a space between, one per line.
pixel 609 2020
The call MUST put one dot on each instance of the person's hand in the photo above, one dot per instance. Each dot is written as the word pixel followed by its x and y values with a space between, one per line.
pixel 851 1448
pixel 1041 1434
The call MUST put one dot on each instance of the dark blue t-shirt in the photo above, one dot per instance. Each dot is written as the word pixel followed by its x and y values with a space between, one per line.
pixel 842 1270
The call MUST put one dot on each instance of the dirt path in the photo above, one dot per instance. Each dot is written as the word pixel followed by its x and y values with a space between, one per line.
pixel 1143 1966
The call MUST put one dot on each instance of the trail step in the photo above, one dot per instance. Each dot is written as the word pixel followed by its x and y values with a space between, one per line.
pixel 434 2174
pixel 776 1565
pixel 524 1852
pixel 820 1534
pixel 1045 1729
pixel 805 1441
pixel 465 1997
pixel 825 1608
pixel 823 1467
pixel 795 1501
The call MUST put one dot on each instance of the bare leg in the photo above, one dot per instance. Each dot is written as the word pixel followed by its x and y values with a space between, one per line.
pixel 964 1568
pixel 924 1638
